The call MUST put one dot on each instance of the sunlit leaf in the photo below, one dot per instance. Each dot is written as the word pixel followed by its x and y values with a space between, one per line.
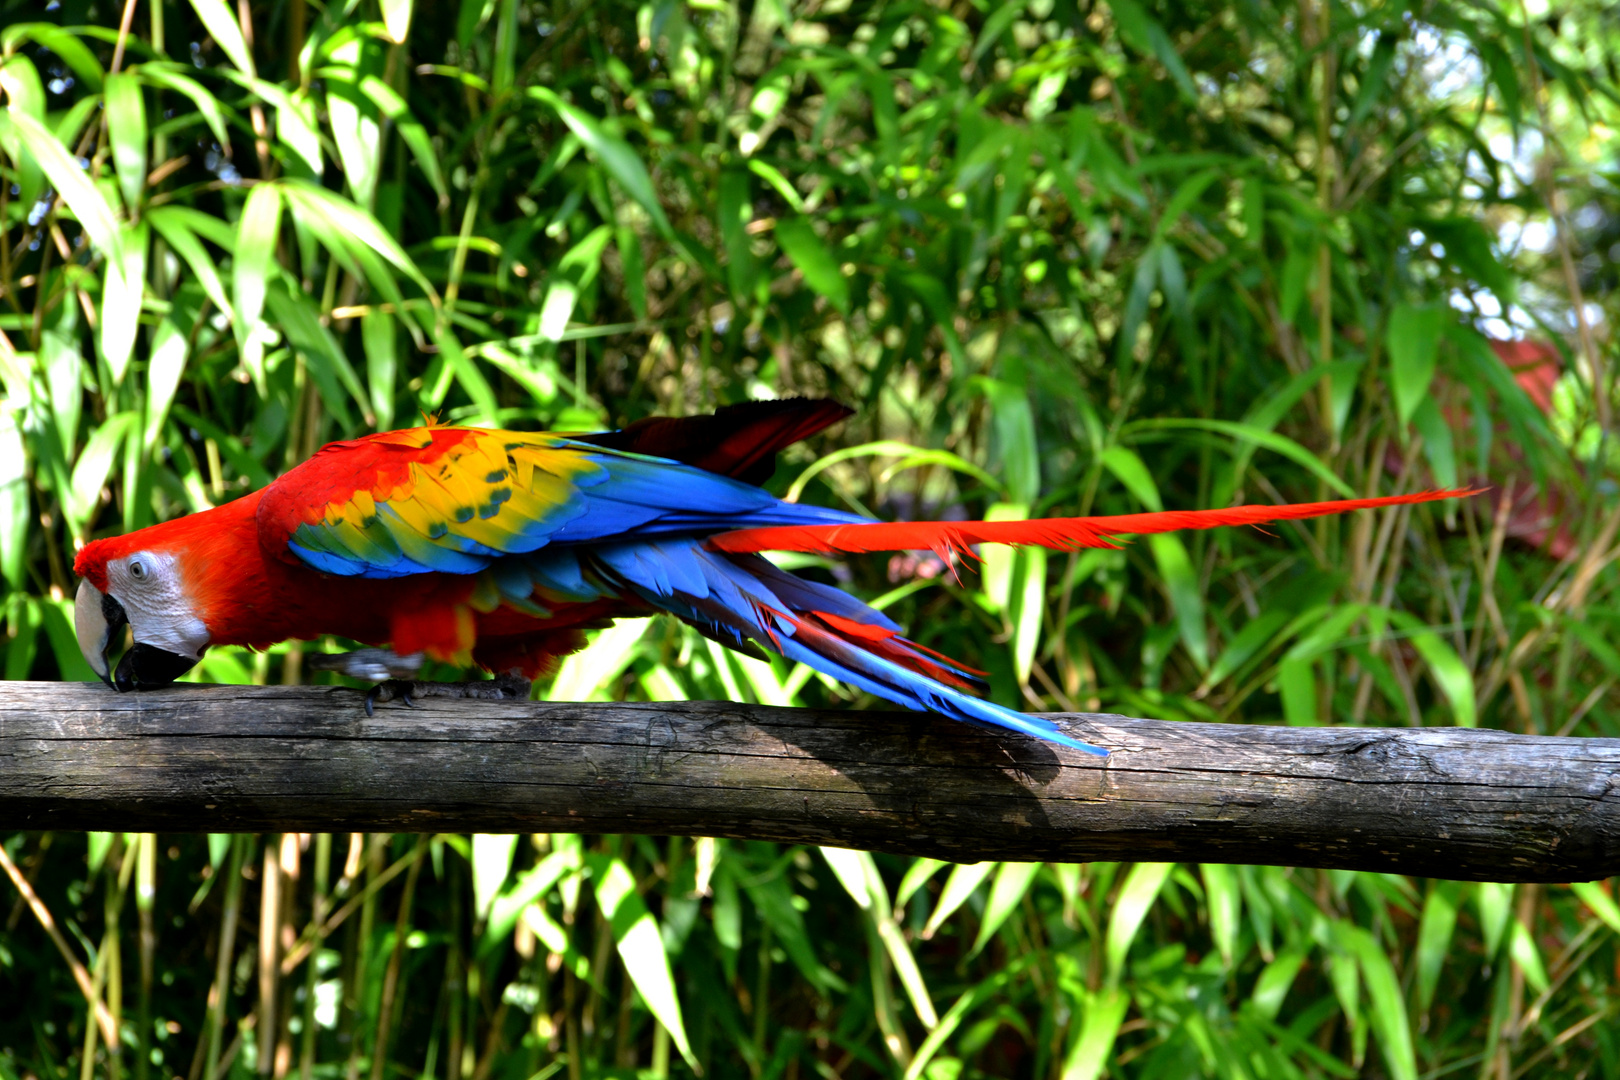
pixel 1495 903
pixel 94 465
pixel 123 285
pixel 584 674
pixel 165 366
pixel 168 77
pixel 613 152
pixel 641 948
pixel 256 234
pixel 963 882
pixel 1013 880
pixel 222 26
pixel 1100 1018
pixel 1388 1013
pixel 14 517
pixel 1456 682
pixel 71 182
pixel 397 18
pixel 491 865
pixel 1136 896
pixel 126 131
pixel 1434 936
pixel 175 226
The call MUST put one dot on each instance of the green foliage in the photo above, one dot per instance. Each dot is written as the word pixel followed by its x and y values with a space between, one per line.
pixel 1067 257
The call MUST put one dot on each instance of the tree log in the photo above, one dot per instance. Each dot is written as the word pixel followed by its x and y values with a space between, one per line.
pixel 1454 803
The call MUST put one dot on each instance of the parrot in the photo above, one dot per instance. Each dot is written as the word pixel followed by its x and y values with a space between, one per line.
pixel 501 549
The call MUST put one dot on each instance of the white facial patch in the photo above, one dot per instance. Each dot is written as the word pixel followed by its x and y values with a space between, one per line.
pixel 160 613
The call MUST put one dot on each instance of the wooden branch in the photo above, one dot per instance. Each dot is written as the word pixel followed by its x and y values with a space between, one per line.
pixel 1473 804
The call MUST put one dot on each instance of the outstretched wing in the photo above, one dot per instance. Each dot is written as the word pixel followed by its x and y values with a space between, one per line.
pixel 453 500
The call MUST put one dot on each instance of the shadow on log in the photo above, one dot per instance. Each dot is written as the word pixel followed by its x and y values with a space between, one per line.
pixel 1471 804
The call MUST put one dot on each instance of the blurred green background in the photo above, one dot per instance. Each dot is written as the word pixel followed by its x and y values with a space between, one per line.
pixel 1065 256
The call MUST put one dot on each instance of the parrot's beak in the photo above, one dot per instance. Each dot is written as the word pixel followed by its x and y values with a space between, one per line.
pixel 99 619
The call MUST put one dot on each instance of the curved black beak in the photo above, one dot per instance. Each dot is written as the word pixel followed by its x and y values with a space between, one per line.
pixel 99 620
pixel 146 667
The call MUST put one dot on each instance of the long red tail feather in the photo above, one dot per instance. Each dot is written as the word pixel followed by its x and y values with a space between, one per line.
pixel 947 537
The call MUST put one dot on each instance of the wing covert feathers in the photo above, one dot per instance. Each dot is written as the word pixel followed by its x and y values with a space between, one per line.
pixel 957 537
pixel 740 441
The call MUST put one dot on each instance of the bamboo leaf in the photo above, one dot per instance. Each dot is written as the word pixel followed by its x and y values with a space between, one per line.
pixel 1599 902
pixel 491 866
pixel 93 467
pixel 1186 595
pixel 1225 908
pixel 1449 672
pixel 64 43
pixel 175 227
pixel 821 272
pixel 614 153
pixel 1100 1018
pixel 356 124
pixel 123 286
pixel 169 77
pixel 19 80
pixel 14 517
pixel 256 234
pixel 641 947
pixel 1434 937
pixel 126 131
pixel 1522 947
pixel 1246 433
pixel 858 873
pixel 357 224
pixel 1271 988
pixel 584 675
pixel 1388 1013
pixel 397 19
pixel 1136 896
pixel 917 875
pixel 1130 470
pixel 222 26
pixel 1013 880
pixel 165 366
pixel 1495 903
pixel 963 882
pixel 379 336
pixel 410 129
pixel 1414 341
pixel 71 182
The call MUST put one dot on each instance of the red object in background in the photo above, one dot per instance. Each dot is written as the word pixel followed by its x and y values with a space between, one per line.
pixel 1535 366
pixel 1535 516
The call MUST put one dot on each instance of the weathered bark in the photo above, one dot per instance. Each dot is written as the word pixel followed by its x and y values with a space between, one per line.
pixel 1480 805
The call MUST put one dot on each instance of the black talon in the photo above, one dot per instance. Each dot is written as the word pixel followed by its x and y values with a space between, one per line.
pixel 371 700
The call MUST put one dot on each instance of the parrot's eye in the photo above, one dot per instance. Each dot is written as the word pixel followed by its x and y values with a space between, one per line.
pixel 137 569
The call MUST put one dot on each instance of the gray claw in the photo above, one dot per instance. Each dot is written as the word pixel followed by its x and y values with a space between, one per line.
pixel 370 665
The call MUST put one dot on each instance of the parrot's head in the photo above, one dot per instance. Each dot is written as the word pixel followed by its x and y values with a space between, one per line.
pixel 140 582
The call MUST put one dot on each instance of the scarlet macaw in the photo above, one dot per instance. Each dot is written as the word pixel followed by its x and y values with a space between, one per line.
pixel 502 548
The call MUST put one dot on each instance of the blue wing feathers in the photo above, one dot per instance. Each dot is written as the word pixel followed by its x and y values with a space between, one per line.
pixel 738 599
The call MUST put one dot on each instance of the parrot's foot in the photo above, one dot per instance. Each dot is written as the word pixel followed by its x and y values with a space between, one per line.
pixel 371 665
pixel 509 687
